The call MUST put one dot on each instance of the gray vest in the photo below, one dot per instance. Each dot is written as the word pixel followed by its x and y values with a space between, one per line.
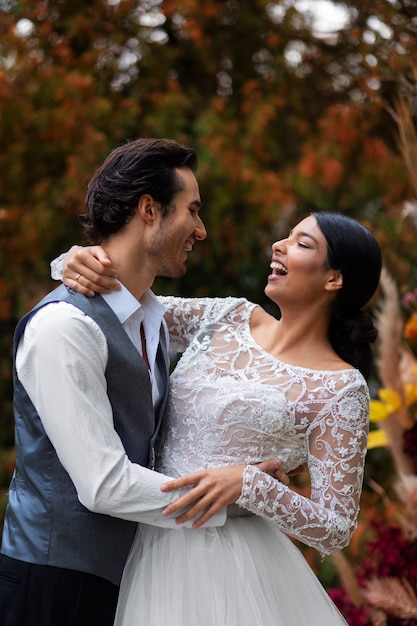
pixel 45 523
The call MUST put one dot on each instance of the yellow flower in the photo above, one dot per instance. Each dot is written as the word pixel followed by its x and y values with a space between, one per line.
pixel 390 401
pixel 377 439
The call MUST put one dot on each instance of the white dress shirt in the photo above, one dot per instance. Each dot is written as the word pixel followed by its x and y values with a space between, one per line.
pixel 149 313
pixel 61 362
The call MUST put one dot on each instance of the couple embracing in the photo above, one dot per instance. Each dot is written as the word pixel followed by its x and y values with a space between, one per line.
pixel 180 494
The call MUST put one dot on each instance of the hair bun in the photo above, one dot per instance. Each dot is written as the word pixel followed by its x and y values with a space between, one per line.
pixel 360 327
pixel 351 339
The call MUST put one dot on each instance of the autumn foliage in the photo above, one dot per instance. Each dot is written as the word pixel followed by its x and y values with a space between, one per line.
pixel 284 119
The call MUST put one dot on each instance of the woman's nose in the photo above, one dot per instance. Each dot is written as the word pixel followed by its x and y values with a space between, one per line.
pixel 279 245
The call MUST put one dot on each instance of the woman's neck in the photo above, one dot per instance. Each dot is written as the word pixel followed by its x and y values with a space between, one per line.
pixel 297 338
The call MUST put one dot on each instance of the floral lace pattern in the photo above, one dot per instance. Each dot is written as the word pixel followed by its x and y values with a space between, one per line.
pixel 231 403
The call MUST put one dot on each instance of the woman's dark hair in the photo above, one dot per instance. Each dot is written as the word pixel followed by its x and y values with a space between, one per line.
pixel 143 166
pixel 353 250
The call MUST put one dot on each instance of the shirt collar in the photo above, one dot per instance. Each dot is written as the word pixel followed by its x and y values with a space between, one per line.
pixel 124 305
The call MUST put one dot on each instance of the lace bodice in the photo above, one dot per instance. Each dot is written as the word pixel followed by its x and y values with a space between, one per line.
pixel 231 403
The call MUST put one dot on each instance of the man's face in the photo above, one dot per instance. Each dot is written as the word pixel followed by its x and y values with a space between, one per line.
pixel 179 230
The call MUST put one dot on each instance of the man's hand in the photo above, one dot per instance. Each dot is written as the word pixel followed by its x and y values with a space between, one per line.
pixel 212 490
pixel 89 270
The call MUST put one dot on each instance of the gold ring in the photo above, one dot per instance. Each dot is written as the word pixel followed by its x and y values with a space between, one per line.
pixel 77 277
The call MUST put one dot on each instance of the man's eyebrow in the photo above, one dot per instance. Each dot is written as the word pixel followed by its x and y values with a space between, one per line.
pixel 196 203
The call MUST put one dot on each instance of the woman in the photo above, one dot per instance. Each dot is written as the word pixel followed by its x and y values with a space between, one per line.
pixel 250 387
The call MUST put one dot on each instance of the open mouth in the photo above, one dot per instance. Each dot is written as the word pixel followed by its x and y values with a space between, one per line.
pixel 278 269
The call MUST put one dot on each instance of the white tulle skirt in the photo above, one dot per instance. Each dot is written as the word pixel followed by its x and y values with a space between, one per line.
pixel 246 573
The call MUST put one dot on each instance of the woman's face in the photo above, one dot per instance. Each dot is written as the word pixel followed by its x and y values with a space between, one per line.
pixel 300 272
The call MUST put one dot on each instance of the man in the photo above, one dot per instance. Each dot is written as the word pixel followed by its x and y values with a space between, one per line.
pixel 90 381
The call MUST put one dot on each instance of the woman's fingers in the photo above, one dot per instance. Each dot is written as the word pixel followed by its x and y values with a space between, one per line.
pixel 88 270
pixel 211 491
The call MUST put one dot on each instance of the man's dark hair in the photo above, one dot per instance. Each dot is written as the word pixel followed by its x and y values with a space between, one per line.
pixel 143 166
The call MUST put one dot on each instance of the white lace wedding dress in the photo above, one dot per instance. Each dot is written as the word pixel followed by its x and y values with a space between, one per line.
pixel 232 402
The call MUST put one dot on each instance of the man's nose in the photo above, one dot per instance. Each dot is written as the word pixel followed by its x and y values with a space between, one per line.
pixel 200 231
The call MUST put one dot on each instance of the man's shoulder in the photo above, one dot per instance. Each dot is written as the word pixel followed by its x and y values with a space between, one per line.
pixel 58 317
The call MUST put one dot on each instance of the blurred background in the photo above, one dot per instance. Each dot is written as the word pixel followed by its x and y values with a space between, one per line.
pixel 292 106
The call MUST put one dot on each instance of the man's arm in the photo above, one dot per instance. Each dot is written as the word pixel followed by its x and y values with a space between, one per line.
pixel 61 362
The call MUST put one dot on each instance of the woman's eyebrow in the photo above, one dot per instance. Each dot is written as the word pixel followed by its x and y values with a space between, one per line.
pixel 304 234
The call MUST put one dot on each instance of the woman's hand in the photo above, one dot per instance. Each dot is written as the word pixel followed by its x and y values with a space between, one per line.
pixel 212 490
pixel 89 271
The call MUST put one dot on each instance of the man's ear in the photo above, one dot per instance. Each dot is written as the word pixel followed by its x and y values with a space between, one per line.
pixel 147 208
pixel 335 281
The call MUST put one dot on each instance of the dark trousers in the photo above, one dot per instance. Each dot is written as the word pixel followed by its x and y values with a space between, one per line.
pixel 40 595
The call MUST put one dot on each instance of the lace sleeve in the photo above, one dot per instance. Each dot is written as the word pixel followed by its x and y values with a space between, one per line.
pixel 337 443
pixel 185 317
pixel 57 265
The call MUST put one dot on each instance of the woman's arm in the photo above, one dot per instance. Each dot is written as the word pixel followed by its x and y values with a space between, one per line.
pixel 216 488
pixel 88 270
pixel 337 444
